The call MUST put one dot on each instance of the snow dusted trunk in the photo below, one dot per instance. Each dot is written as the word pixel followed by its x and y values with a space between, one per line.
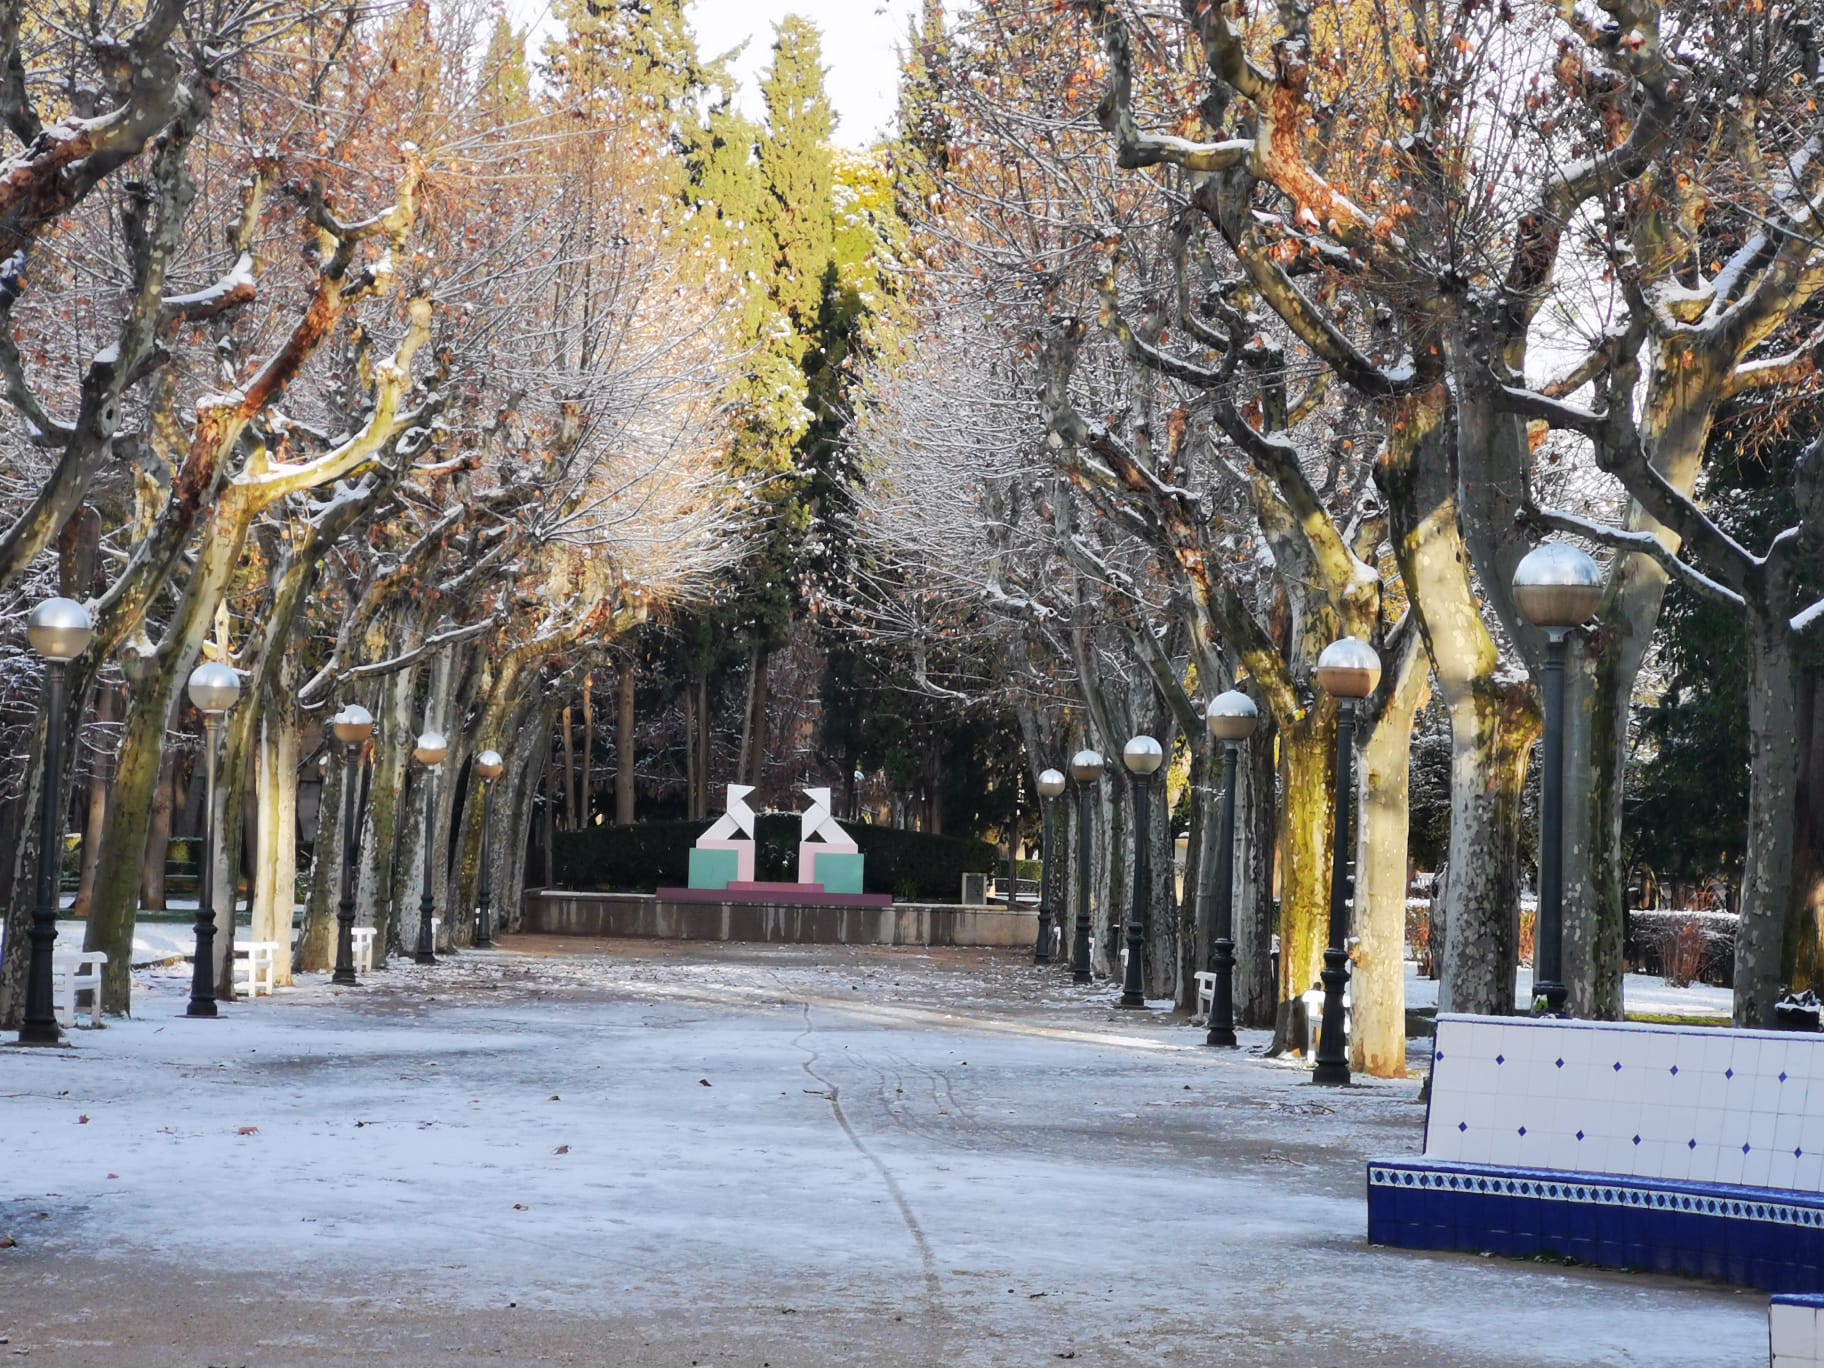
pixel 1807 924
pixel 1378 976
pixel 25 858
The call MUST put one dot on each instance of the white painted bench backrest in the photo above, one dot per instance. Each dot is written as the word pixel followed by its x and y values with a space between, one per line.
pixel 1702 1104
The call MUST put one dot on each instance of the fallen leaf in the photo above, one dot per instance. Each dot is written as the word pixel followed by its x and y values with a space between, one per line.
pixel 248 1130
pixel 519 1206
pixel 82 1120
pixel 561 1149
pixel 8 1242
pixel 554 1098
pixel 113 1175
pixel 704 1082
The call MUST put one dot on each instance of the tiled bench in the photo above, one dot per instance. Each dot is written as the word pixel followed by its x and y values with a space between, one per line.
pixel 1694 1150
pixel 1795 1337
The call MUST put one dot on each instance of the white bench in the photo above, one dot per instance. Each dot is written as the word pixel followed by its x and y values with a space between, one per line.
pixel 1689 1150
pixel 363 939
pixel 73 972
pixel 1206 992
pixel 1795 1336
pixel 261 959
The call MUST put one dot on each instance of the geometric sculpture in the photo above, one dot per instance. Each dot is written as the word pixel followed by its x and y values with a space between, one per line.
pixel 719 857
pixel 826 853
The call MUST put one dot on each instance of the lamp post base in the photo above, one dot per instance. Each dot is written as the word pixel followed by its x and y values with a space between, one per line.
pixel 1139 1006
pixel 1555 995
pixel 201 1009
pixel 1332 1069
pixel 345 977
pixel 37 1036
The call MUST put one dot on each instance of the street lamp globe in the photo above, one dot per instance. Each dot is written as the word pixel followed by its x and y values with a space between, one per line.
pixel 1086 767
pixel 1142 755
pixel 353 725
pixel 1557 586
pixel 1349 668
pixel 214 687
pixel 431 749
pixel 58 629
pixel 1051 783
pixel 1231 716
pixel 489 765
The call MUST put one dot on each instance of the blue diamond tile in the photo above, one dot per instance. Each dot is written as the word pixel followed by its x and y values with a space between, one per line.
pixel 1618 1066
pixel 1782 1075
pixel 1561 1063
pixel 1692 1145
pixel 1462 1126
pixel 1438 1055
pixel 1675 1071
pixel 1746 1147
pixel 1637 1139
pixel 1580 1135
pixel 1523 1130
pixel 1500 1059
pixel 1728 1073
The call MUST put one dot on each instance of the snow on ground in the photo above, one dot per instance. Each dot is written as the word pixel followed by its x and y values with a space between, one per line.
pixel 633 1153
pixel 1644 993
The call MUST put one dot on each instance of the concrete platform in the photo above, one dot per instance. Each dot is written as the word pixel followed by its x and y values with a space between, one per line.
pixel 648 917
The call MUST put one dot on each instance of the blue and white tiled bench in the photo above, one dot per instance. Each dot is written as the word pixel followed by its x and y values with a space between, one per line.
pixel 1683 1150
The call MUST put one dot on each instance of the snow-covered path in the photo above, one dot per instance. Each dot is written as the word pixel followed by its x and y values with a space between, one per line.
pixel 642 1154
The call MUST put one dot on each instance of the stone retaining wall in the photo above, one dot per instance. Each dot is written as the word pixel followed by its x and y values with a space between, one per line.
pixel 640 915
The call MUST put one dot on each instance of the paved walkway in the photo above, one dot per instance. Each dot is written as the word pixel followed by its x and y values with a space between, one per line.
pixel 640 1154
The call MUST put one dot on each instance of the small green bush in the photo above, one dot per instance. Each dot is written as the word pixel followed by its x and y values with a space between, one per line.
pixel 910 865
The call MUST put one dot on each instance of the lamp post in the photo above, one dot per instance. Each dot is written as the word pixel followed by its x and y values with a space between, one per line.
pixel 214 688
pixel 1348 670
pixel 430 751
pixel 1142 756
pixel 1051 784
pixel 352 726
pixel 1231 719
pixel 1556 588
pixel 58 630
pixel 488 768
pixel 1086 769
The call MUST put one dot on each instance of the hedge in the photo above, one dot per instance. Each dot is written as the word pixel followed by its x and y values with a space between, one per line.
pixel 911 865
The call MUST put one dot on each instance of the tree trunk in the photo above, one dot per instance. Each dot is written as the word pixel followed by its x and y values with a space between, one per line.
pixel 276 862
pixel 1377 978
pixel 1308 779
pixel 158 836
pixel 571 820
pixel 1256 921
pixel 1595 725
pixel 588 784
pixel 623 744
pixel 1773 792
pixel 1481 904
pixel 95 824
pixel 757 738
pixel 317 946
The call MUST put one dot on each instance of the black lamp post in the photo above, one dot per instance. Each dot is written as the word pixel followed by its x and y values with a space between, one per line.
pixel 1086 769
pixel 1231 718
pixel 1348 670
pixel 488 768
pixel 430 752
pixel 58 630
pixel 1557 588
pixel 1051 784
pixel 214 688
pixel 352 726
pixel 1142 756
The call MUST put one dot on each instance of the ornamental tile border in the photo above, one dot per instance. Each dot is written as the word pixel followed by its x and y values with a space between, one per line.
pixel 1596 1192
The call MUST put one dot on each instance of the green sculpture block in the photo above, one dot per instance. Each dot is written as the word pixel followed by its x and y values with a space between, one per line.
pixel 713 868
pixel 839 871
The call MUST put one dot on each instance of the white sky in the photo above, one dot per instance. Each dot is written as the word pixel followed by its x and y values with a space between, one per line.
pixel 860 57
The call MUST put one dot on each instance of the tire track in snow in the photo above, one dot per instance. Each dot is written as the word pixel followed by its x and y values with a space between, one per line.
pixel 926 1256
